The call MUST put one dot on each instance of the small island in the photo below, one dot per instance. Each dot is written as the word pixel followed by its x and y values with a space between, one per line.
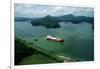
pixel 53 22
pixel 48 22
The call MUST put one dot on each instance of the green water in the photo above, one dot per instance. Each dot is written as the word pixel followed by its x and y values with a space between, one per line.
pixel 78 39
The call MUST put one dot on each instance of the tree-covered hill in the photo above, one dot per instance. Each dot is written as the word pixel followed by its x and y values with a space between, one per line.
pixel 22 50
pixel 53 22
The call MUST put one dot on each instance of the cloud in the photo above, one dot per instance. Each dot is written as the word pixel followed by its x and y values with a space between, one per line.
pixel 29 10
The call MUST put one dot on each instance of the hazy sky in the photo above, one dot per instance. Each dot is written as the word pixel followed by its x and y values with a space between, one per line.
pixel 31 10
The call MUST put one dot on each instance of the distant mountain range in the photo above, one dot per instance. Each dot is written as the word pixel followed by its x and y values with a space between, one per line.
pixel 53 22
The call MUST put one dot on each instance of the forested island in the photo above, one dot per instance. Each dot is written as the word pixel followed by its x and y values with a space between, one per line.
pixel 53 21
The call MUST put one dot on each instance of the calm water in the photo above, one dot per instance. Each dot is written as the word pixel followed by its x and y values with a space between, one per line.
pixel 78 38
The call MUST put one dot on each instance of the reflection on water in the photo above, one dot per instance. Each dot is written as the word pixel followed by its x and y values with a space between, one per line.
pixel 78 38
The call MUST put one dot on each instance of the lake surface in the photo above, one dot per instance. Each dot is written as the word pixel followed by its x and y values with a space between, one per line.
pixel 79 40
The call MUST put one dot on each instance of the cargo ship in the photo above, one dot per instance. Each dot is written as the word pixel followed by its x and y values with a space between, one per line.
pixel 49 37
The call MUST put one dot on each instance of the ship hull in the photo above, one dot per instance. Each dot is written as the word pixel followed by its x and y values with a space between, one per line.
pixel 55 39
